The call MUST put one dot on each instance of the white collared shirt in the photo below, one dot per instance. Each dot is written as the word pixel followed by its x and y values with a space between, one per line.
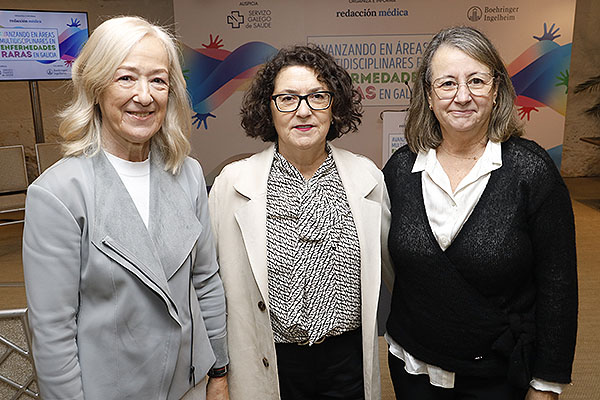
pixel 447 212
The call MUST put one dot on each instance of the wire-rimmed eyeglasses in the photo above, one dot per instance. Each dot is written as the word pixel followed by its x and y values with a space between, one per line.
pixel 288 102
pixel 479 84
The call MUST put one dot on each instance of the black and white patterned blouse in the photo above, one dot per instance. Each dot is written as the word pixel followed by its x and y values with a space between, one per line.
pixel 313 254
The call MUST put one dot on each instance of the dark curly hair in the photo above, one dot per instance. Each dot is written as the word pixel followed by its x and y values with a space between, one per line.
pixel 346 109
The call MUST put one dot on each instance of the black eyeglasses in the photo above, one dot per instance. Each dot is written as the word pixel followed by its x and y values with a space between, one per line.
pixel 287 102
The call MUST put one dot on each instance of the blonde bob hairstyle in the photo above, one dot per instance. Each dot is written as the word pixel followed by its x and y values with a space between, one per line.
pixel 423 131
pixel 93 71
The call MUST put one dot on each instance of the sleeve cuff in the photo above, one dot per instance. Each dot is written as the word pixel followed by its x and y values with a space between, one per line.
pixel 219 347
pixel 545 386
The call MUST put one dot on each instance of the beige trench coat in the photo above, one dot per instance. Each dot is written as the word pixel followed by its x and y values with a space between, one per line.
pixel 237 205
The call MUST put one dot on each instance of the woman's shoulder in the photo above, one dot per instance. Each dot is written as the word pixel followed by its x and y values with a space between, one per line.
pixel 66 172
pixel 190 175
pixel 234 168
pixel 69 181
pixel 260 160
pixel 351 157
pixel 529 159
pixel 401 161
pixel 191 166
pixel 527 147
pixel 531 167
pixel 356 165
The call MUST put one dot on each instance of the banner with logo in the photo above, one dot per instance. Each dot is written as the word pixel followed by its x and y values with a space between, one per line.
pixel 40 45
pixel 380 43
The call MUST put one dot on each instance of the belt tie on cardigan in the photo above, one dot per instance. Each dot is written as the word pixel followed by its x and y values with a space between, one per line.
pixel 516 343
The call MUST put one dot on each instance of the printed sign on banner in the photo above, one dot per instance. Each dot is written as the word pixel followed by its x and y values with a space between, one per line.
pixel 380 43
pixel 393 132
pixel 39 45
pixel 381 66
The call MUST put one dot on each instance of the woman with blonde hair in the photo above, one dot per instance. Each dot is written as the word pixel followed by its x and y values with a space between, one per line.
pixel 120 270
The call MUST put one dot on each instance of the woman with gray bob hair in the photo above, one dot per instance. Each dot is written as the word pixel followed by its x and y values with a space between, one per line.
pixel 423 130
pixel 120 269
pixel 484 304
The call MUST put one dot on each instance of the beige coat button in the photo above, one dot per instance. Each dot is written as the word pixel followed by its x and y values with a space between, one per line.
pixel 262 306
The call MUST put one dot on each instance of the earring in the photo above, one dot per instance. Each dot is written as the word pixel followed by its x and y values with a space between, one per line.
pixel 430 107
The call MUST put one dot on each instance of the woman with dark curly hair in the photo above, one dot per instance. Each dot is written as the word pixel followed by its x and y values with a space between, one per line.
pixel 301 230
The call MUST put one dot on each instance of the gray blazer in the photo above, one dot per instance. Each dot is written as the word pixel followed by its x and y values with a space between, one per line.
pixel 110 300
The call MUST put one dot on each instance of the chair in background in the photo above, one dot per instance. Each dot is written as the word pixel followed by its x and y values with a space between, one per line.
pixel 47 154
pixel 18 378
pixel 13 182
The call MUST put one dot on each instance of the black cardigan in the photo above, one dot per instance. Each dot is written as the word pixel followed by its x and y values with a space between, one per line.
pixel 502 299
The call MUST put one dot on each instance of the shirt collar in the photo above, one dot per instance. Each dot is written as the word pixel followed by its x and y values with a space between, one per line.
pixel 424 160
pixel 491 158
pixel 282 164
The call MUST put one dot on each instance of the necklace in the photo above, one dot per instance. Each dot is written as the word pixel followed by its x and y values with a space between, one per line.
pixel 472 158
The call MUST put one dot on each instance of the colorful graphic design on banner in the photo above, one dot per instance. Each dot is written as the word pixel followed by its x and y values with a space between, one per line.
pixel 540 76
pixel 213 73
pixel 381 43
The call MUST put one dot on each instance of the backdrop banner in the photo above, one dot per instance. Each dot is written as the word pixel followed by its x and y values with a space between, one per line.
pixel 40 45
pixel 380 43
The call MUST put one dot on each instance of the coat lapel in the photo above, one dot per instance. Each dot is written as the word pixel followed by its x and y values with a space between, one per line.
pixel 117 217
pixel 358 184
pixel 120 233
pixel 367 213
pixel 252 216
pixel 173 225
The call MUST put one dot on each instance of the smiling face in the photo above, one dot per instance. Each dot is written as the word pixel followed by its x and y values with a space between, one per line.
pixel 303 129
pixel 135 102
pixel 465 113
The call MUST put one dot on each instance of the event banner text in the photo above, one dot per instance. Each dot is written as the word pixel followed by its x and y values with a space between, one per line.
pixel 382 67
pixel 18 44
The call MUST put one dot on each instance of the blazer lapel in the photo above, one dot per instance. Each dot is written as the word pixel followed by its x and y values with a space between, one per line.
pixel 359 184
pixel 120 233
pixel 252 217
pixel 174 226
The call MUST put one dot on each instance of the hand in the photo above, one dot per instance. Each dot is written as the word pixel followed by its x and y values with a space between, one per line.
pixel 217 389
pixel 533 394
pixel 548 34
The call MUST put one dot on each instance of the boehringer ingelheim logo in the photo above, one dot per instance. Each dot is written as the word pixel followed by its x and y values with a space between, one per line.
pixel 474 14
pixel 235 19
